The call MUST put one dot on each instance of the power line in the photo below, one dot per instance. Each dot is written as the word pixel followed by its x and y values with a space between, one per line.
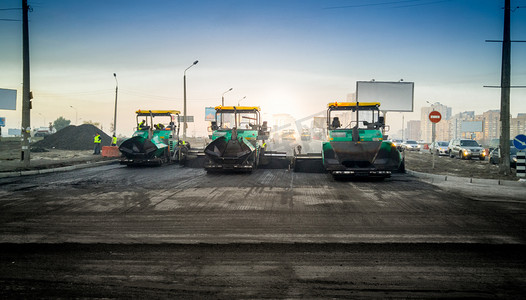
pixel 421 4
pixel 10 9
pixel 382 4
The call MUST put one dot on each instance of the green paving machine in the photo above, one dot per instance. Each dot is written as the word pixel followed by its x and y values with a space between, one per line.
pixel 356 145
pixel 238 140
pixel 156 140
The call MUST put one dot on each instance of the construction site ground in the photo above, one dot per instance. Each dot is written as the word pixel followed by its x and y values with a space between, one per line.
pixel 111 231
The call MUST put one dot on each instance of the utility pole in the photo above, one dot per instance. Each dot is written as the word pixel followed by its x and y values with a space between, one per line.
pixel 26 101
pixel 504 167
pixel 505 85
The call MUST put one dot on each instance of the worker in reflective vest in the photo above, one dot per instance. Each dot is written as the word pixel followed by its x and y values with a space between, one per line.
pixel 141 125
pixel 114 140
pixel 97 140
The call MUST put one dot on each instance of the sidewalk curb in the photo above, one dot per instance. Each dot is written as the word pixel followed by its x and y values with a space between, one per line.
pixel 55 170
pixel 439 178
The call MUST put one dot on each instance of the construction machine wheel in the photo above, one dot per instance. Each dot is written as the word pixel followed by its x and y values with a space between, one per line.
pixel 401 168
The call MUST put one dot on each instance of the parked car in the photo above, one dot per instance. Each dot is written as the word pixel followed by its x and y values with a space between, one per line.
pixel 494 157
pixel 411 146
pixel 466 149
pixel 397 143
pixel 439 148
pixel 494 144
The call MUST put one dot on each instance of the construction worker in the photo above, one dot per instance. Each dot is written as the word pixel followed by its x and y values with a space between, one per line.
pixel 114 140
pixel 141 125
pixel 97 140
pixel 336 123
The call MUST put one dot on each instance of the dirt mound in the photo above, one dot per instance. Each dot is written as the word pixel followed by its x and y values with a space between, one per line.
pixel 74 138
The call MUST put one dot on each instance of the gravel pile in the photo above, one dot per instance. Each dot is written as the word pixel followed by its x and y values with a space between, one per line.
pixel 73 138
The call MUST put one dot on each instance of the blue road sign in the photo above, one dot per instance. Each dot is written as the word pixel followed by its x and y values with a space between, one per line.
pixel 520 142
pixel 2 121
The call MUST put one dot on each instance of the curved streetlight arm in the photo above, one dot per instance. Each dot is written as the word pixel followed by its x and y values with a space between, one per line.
pixel 241 100
pixel 193 64
pixel 228 91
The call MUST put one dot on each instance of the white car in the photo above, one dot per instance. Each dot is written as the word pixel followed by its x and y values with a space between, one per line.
pixel 411 146
pixel 439 148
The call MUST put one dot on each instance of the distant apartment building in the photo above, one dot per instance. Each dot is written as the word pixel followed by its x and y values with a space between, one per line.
pixel 442 130
pixel 491 125
pixel 518 125
pixel 484 127
pixel 413 130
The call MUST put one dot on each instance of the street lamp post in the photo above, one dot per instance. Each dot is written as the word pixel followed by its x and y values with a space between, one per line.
pixel 115 113
pixel 184 96
pixel 241 100
pixel 76 115
pixel 223 97
pixel 223 102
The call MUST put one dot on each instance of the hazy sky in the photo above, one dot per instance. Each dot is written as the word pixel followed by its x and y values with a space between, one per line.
pixel 286 56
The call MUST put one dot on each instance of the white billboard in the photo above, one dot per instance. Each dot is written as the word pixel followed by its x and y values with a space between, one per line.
pixel 7 99
pixel 392 95
pixel 471 126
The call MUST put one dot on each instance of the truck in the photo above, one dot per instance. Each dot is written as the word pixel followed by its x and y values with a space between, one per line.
pixel 43 131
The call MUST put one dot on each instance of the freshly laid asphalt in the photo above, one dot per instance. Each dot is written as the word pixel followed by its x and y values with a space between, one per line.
pixel 110 231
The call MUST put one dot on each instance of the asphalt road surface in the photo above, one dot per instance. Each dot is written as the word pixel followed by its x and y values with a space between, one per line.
pixel 172 232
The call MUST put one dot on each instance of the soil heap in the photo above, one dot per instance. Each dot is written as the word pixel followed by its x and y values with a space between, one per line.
pixel 73 138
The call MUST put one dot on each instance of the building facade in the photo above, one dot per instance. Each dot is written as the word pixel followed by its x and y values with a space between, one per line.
pixel 518 125
pixel 413 130
pixel 491 125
